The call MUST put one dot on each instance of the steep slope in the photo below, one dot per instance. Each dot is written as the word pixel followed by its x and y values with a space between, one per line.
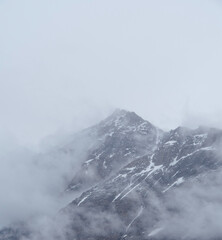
pixel 117 140
pixel 128 197
pixel 130 171
pixel 102 150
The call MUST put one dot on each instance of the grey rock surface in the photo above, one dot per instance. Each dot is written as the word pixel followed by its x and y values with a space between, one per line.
pixel 129 169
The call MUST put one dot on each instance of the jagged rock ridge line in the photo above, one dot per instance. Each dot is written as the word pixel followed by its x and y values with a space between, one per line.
pixel 129 162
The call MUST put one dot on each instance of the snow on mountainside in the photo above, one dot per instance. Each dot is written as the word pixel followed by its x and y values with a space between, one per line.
pixel 129 170
pixel 181 155
pixel 119 139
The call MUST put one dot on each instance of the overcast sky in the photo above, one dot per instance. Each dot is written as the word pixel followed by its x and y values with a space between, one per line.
pixel 66 64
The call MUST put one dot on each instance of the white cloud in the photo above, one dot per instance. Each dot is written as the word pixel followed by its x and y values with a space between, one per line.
pixel 60 60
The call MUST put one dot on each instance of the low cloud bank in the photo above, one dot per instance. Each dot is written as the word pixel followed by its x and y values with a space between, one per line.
pixel 33 183
pixel 192 211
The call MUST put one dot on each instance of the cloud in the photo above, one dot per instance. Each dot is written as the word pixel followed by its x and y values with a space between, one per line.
pixel 32 183
pixel 192 211
pixel 84 57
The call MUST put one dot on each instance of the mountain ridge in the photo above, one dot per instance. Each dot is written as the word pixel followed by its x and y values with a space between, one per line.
pixel 128 172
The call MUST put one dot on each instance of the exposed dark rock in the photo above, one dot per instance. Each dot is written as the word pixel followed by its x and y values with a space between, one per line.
pixel 129 169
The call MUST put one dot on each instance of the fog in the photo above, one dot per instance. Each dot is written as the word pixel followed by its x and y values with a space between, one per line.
pixel 65 65
pixel 34 183
pixel 193 210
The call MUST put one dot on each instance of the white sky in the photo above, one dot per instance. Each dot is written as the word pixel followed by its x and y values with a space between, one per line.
pixel 66 64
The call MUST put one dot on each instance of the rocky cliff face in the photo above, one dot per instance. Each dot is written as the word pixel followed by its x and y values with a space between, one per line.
pixel 130 170
pixel 117 140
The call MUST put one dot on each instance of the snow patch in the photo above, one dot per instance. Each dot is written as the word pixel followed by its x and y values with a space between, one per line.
pixel 130 169
pixel 83 199
pixel 175 160
pixel 155 231
pixel 150 169
pixel 200 138
pixel 176 183
pixel 104 164
pixel 138 214
pixel 170 143
pixel 89 161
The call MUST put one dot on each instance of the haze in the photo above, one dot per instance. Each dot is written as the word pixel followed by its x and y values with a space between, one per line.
pixel 64 65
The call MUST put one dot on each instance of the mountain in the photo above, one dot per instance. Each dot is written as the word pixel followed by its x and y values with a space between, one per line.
pixel 117 140
pixel 132 180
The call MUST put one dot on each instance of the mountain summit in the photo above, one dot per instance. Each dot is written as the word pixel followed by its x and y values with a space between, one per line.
pixel 120 138
pixel 132 182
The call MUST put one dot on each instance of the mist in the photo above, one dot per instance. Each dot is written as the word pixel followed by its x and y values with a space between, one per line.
pixel 71 63
pixel 66 65
pixel 193 210
pixel 33 182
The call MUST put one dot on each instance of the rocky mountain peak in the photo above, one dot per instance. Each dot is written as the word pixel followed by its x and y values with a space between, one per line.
pixel 125 122
pixel 129 166
pixel 120 138
pixel 123 115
